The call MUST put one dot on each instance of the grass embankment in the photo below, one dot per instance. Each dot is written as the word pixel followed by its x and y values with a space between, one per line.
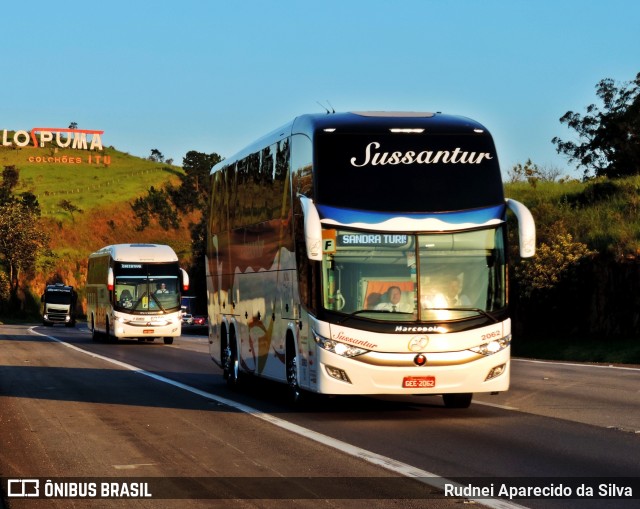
pixel 604 215
pixel 86 185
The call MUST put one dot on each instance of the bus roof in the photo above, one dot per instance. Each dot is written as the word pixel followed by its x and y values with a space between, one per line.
pixel 361 121
pixel 138 253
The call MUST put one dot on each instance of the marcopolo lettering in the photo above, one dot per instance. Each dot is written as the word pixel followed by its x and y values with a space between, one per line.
pixel 374 157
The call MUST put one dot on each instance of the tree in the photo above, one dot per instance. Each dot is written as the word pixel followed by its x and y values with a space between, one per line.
pixel 532 173
pixel 69 207
pixel 73 125
pixel 10 177
pixel 195 187
pixel 21 240
pixel 608 137
pixel 156 204
pixel 156 155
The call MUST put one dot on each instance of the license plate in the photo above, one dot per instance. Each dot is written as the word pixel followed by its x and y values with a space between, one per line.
pixel 148 331
pixel 418 382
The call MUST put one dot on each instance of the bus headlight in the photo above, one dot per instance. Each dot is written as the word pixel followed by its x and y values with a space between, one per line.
pixel 493 346
pixel 337 347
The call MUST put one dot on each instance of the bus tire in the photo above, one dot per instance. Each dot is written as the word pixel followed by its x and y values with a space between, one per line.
pixel 107 334
pixel 95 336
pixel 457 400
pixel 168 341
pixel 294 393
pixel 233 363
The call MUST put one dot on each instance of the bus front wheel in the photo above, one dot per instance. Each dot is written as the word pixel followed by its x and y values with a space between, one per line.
pixel 168 341
pixel 232 368
pixel 293 388
pixel 95 336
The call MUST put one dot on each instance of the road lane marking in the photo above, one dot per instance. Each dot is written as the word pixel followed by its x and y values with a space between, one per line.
pixel 389 464
pixel 495 405
pixel 133 466
pixel 576 364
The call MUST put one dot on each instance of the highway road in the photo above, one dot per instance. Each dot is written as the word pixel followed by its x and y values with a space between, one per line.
pixel 72 408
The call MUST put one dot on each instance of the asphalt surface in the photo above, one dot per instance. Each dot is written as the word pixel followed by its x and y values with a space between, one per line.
pixel 64 412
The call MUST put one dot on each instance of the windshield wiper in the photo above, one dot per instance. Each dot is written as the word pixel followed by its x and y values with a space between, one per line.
pixel 359 311
pixel 158 303
pixel 476 310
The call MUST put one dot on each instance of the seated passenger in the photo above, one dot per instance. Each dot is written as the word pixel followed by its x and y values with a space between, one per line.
pixel 455 297
pixel 162 288
pixel 126 300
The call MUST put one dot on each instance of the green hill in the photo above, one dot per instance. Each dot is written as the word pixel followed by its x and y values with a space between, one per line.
pixel 88 184
pixel 602 213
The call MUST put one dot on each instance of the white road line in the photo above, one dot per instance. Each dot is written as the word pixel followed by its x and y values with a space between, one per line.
pixel 577 364
pixel 495 405
pixel 390 464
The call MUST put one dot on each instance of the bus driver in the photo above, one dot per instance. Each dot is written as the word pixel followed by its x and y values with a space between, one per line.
pixel 394 294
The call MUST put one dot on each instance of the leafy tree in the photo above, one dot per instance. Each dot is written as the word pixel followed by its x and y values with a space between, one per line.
pixel 156 155
pixel 156 204
pixel 10 177
pixel 195 186
pixel 73 125
pixel 556 257
pixel 532 173
pixel 30 202
pixel 21 240
pixel 608 137
pixel 69 207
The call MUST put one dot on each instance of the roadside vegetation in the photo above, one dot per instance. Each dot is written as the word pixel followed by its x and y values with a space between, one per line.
pixel 578 298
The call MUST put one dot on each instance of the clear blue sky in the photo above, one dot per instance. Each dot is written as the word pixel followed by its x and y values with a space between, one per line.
pixel 214 75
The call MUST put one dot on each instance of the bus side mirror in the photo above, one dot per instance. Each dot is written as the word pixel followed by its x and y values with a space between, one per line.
pixel 312 229
pixel 110 280
pixel 526 228
pixel 185 280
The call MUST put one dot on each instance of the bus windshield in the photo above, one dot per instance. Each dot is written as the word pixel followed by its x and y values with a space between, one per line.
pixel 147 288
pixel 424 277
pixel 58 296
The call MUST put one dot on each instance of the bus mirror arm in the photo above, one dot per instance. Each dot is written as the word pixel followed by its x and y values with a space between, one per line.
pixel 526 228
pixel 185 280
pixel 312 229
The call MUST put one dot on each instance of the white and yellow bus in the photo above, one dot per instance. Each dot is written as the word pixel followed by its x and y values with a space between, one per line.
pixel 364 253
pixel 134 291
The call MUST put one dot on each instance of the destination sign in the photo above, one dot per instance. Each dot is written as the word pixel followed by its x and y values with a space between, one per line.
pixel 372 239
pixel 131 266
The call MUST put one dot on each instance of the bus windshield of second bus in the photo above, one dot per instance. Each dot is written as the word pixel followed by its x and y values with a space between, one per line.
pixel 145 288
pixel 415 277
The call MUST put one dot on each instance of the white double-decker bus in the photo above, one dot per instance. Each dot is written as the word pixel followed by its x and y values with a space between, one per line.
pixel 134 291
pixel 364 253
